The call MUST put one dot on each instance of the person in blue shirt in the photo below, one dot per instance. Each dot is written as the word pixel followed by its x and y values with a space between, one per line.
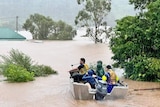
pixel 90 79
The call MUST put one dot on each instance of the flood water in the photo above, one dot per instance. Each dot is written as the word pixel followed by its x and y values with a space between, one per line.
pixel 54 90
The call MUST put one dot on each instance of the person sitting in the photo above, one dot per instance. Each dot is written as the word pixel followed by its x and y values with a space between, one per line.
pixel 113 76
pixel 99 70
pixel 90 79
pixel 77 73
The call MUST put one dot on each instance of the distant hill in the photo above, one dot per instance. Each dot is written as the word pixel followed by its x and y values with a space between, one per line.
pixel 65 10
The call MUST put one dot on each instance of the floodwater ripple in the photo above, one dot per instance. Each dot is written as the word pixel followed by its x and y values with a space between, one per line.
pixel 54 90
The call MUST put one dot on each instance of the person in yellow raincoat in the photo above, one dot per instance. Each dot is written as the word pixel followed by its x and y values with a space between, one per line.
pixel 113 77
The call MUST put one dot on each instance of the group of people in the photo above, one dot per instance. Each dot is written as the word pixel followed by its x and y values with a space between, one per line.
pixel 83 74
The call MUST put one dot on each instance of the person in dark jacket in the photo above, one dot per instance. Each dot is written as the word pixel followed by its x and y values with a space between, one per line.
pixel 90 79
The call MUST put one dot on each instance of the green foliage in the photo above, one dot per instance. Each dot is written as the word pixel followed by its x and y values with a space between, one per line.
pixel 18 58
pixel 141 4
pixel 143 69
pixel 44 28
pixel 15 73
pixel 137 43
pixel 62 31
pixel 1 71
pixel 124 45
pixel 42 70
pixel 93 14
pixel 154 68
pixel 39 25
pixel 19 67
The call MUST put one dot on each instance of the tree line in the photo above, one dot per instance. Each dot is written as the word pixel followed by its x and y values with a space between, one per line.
pixel 92 16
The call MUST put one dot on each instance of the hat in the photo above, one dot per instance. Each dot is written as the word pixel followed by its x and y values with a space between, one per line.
pixel 109 67
pixel 90 72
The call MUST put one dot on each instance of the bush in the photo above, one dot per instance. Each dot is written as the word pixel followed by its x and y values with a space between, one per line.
pixel 18 58
pixel 15 73
pixel 42 70
pixel 23 64
pixel 142 68
pixel 154 69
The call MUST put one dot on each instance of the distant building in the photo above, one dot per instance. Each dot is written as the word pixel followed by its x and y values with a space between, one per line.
pixel 26 34
pixel 8 34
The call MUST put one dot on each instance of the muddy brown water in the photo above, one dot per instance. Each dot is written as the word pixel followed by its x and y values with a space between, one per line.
pixel 54 90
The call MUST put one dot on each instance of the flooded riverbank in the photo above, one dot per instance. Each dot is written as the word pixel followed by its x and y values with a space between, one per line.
pixel 54 91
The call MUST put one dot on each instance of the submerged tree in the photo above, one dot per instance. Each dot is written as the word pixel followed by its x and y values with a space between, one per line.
pixel 93 14
pixel 62 31
pixel 39 25
pixel 44 28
